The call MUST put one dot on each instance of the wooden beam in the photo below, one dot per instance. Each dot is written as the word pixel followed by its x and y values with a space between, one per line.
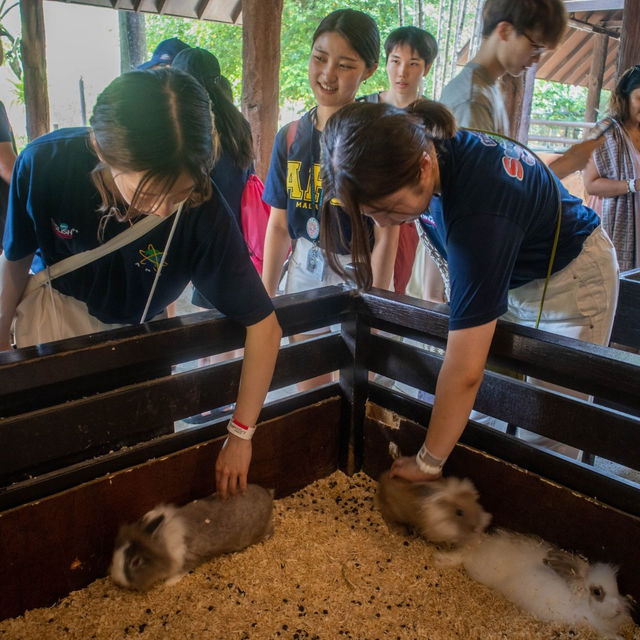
pixel 160 6
pixel 629 53
pixel 596 75
pixel 202 7
pixel 236 11
pixel 592 5
pixel 33 47
pixel 591 28
pixel 261 34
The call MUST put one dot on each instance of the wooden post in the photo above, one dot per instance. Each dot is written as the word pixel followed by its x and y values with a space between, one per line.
pixel 596 74
pixel 33 46
pixel 133 41
pixel 261 20
pixel 522 134
pixel 629 53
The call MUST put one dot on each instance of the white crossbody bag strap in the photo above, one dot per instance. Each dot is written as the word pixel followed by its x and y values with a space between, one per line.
pixel 86 257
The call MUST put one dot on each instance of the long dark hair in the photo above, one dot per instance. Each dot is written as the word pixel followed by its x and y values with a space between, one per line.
pixel 369 151
pixel 359 29
pixel 233 129
pixel 158 122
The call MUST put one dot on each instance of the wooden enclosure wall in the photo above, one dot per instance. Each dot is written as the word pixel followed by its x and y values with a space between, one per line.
pixel 75 437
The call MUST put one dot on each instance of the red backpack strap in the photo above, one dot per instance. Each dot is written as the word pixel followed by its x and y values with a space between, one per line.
pixel 291 133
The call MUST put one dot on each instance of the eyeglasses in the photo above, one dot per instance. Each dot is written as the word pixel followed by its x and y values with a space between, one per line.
pixel 538 49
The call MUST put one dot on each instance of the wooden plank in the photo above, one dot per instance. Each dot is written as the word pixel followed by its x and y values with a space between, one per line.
pixel 569 420
pixel 626 328
pixel 612 490
pixel 600 371
pixel 47 484
pixel 260 82
pixel 596 74
pixel 526 502
pixel 41 440
pixel 353 383
pixel 629 53
pixel 593 5
pixel 39 376
pixel 80 524
pixel 33 47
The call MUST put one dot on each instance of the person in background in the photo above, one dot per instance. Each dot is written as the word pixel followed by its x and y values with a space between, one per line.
pixel 8 153
pixel 231 169
pixel 612 175
pixel 76 188
pixel 492 210
pixel 514 36
pixel 344 52
pixel 7 160
pixel 235 160
pixel 164 53
pixel 410 53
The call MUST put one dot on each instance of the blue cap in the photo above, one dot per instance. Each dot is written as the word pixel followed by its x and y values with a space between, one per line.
pixel 165 53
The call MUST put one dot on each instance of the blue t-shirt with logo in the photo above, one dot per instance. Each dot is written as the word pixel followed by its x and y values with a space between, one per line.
pixel 495 221
pixel 288 185
pixel 53 211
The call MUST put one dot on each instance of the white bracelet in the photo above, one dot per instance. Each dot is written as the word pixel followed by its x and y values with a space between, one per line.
pixel 427 462
pixel 240 430
pixel 631 183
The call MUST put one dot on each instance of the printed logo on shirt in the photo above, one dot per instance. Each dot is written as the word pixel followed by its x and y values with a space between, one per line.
pixel 427 219
pixel 513 168
pixel 304 197
pixel 486 139
pixel 151 259
pixel 63 230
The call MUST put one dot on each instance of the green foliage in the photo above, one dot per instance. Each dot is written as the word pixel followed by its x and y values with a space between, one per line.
pixel 554 101
pixel 299 21
pixel 11 50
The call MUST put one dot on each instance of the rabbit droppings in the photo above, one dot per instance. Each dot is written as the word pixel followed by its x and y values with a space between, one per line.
pixel 445 510
pixel 551 584
pixel 169 541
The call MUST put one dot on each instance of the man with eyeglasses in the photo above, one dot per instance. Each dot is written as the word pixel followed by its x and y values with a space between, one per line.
pixel 514 36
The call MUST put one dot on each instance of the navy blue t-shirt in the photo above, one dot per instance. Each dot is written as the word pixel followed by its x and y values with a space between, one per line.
pixel 495 222
pixel 53 210
pixel 288 185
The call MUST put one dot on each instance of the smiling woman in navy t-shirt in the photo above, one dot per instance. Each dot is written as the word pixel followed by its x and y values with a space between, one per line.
pixel 150 147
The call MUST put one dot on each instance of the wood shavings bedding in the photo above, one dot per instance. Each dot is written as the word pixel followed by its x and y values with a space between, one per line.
pixel 332 570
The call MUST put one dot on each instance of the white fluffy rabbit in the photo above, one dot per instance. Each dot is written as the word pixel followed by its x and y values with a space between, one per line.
pixel 549 583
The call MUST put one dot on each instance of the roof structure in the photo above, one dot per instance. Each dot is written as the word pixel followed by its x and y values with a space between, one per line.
pixel 570 62
pixel 229 11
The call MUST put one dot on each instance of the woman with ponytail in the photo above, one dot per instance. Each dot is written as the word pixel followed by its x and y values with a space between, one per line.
pixel 491 209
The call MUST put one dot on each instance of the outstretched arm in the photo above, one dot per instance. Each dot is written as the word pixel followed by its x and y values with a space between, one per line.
pixel 260 352
pixel 13 279
pixel 383 255
pixel 277 243
pixel 456 390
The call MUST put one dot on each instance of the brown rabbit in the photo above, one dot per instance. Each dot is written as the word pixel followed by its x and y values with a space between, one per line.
pixel 168 541
pixel 445 510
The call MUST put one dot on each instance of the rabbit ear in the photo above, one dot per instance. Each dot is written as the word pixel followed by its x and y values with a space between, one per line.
pixel 568 566
pixel 152 525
